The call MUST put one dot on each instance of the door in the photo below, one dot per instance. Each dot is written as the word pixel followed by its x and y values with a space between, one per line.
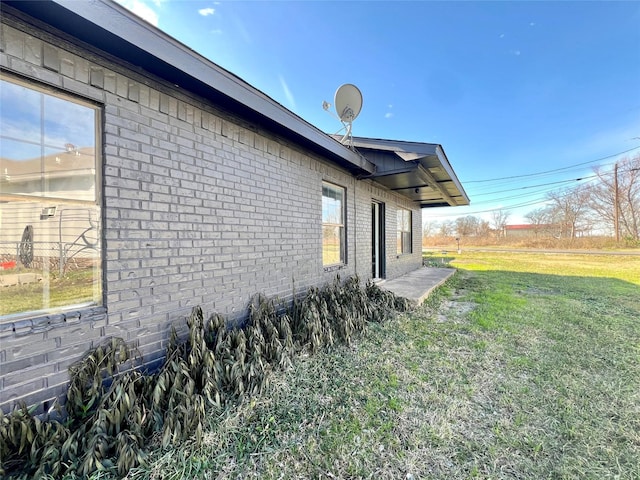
pixel 377 240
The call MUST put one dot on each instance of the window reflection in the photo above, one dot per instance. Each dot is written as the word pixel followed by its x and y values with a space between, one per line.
pixel 49 205
pixel 333 236
pixel 404 231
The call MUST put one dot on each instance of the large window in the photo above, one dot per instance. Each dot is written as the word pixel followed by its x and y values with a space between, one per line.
pixel 404 231
pixel 50 251
pixel 333 232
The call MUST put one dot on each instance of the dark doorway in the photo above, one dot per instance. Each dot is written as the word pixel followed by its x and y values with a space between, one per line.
pixel 377 240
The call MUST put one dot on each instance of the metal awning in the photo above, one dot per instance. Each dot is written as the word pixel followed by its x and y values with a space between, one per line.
pixel 419 171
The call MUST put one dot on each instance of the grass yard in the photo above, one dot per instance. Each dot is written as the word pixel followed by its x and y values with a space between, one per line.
pixel 75 287
pixel 520 367
pixel 587 266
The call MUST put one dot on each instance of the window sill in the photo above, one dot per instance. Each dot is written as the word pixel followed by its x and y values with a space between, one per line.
pixel 336 267
pixel 43 323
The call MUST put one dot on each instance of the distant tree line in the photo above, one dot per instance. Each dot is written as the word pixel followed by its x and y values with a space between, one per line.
pixel 608 206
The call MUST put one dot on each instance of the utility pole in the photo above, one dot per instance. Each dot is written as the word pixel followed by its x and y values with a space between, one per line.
pixel 616 205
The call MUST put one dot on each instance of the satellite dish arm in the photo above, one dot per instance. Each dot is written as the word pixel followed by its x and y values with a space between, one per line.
pixel 347 135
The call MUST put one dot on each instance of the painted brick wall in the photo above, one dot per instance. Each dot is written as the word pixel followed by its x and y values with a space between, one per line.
pixel 200 208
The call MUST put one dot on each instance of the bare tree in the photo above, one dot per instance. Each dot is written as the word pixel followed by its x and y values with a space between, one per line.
pixel 499 219
pixel 446 228
pixel 537 217
pixel 429 227
pixel 467 226
pixel 541 219
pixel 616 197
pixel 483 229
pixel 570 209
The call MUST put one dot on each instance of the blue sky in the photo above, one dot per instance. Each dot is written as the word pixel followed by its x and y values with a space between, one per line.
pixel 32 120
pixel 507 88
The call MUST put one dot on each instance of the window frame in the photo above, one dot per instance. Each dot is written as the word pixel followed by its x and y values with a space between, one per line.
pixel 64 202
pixel 404 239
pixel 341 225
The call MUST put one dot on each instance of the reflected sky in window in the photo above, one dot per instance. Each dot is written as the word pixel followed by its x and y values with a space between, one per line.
pixel 33 121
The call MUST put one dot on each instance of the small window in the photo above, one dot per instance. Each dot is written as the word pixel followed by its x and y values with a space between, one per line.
pixel 404 231
pixel 50 250
pixel 333 231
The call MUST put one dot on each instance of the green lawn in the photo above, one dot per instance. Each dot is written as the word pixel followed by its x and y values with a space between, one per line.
pixel 622 267
pixel 75 287
pixel 520 367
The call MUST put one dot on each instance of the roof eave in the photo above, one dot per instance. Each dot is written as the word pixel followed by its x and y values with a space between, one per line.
pixel 454 178
pixel 413 154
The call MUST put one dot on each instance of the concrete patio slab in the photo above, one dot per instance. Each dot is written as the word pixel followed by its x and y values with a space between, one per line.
pixel 418 284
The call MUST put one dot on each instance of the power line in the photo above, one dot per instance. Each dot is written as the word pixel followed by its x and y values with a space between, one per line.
pixel 487 187
pixel 550 171
pixel 539 200
pixel 546 191
pixel 599 174
pixel 535 186
pixel 514 197
pixel 488 210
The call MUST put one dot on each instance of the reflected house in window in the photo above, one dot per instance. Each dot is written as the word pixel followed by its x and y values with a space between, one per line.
pixel 138 179
pixel 49 208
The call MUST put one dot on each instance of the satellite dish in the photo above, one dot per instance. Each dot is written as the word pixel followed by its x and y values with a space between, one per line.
pixel 348 102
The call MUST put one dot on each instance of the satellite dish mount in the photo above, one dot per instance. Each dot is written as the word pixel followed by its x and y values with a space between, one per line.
pixel 348 103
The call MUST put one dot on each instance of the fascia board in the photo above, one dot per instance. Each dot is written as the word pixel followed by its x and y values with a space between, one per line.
pixel 444 161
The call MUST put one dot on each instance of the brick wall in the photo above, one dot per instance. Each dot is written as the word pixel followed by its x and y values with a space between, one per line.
pixel 200 208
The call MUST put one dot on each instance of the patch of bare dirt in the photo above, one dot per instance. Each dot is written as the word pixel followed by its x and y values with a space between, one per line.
pixel 452 310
